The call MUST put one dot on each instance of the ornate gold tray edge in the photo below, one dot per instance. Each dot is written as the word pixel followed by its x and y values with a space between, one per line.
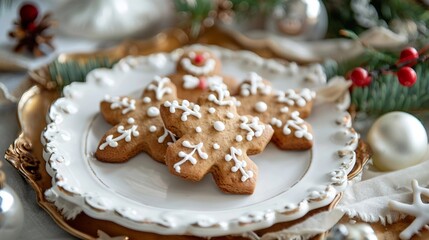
pixel 25 154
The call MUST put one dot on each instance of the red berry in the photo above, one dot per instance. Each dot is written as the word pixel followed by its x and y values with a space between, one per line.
pixel 31 27
pixel 409 54
pixel 203 83
pixel 28 12
pixel 199 58
pixel 407 76
pixel 360 77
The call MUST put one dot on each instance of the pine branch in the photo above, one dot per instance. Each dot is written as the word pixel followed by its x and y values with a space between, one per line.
pixel 64 73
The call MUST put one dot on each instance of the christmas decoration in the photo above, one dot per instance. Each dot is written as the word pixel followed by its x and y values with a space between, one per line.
pixel 397 83
pixel 299 19
pixel 360 77
pixel 11 211
pixel 30 32
pixel 405 17
pixel 359 231
pixel 88 19
pixel 398 141
pixel 418 208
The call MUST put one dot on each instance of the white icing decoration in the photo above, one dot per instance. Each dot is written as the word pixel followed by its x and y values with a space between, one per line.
pixel 166 133
pixel 298 124
pixel 146 100
pixel 152 128
pixel 208 66
pixel 256 84
pixel 185 107
pixel 219 126
pixel 222 93
pixel 238 138
pixel 216 146
pixel 127 105
pixel 284 109
pixel 261 107
pixel 212 110
pixel 230 115
pixel 126 134
pixel 189 156
pixel 191 82
pixel 198 129
pixel 160 88
pixel 240 165
pixel 254 128
pixel 418 208
pixel 291 97
pixel 153 112
pixel 192 54
pixel 276 122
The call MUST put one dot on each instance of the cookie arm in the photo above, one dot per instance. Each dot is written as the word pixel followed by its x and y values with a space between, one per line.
pixel 233 176
pixel 189 159
pixel 121 142
pixel 114 109
pixel 180 116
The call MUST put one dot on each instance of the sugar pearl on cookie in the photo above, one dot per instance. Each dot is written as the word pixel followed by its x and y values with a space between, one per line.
pixel 152 128
pixel 146 100
pixel 261 107
pixel 219 126
pixel 216 146
pixel 198 129
pixel 152 111
pixel 230 115
pixel 131 120
pixel 212 110
pixel 238 138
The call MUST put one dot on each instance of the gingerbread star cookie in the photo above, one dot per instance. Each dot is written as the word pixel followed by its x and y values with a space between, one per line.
pixel 197 70
pixel 214 139
pixel 284 110
pixel 138 124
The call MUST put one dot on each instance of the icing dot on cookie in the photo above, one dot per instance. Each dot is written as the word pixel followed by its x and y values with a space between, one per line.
pixel 212 110
pixel 284 110
pixel 230 115
pixel 131 121
pixel 261 107
pixel 198 129
pixel 152 111
pixel 219 126
pixel 238 138
pixel 152 128
pixel 146 100
pixel 216 146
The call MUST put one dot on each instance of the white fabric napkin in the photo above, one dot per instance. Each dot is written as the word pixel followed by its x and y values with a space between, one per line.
pixel 369 198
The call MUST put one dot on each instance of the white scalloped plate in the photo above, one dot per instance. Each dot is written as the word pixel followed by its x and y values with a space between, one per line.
pixel 141 194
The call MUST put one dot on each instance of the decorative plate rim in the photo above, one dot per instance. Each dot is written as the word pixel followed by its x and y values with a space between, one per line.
pixel 62 194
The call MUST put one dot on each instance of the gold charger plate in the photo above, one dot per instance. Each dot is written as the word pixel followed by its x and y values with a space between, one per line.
pixel 25 154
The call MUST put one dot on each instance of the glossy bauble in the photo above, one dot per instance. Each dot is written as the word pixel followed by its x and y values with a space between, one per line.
pixel 398 141
pixel 299 19
pixel 11 214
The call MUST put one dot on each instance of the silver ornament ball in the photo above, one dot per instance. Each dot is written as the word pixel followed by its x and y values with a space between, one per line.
pixel 299 19
pixel 11 214
pixel 398 141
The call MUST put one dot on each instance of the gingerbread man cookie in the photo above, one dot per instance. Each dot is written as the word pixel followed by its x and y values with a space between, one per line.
pixel 197 70
pixel 138 124
pixel 284 110
pixel 214 139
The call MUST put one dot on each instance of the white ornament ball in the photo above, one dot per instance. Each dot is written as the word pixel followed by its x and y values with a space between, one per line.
pixel 398 141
